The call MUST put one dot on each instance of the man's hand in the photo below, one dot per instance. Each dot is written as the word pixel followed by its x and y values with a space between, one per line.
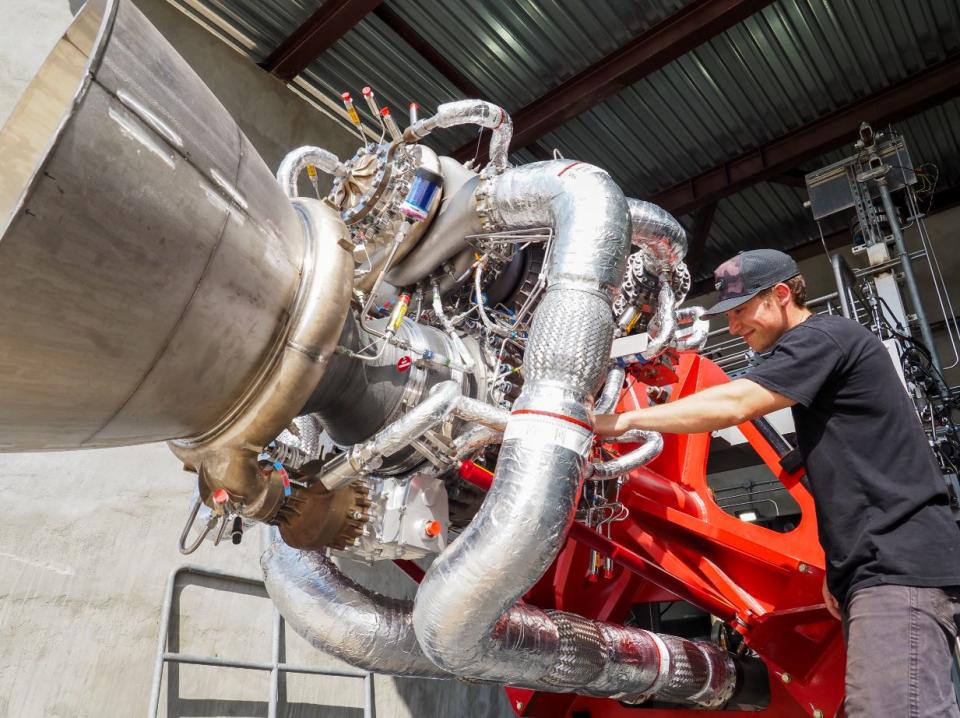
pixel 832 606
pixel 605 425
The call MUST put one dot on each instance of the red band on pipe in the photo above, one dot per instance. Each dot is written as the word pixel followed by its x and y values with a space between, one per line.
pixel 564 417
pixel 572 164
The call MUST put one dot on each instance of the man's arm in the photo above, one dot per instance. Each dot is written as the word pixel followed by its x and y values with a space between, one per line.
pixel 715 408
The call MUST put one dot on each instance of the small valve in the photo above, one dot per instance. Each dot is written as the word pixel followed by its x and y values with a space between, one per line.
pixel 390 124
pixel 236 533
pixel 371 102
pixel 352 114
pixel 414 112
pixel 432 529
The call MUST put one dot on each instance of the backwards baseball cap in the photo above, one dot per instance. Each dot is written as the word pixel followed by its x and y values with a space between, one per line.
pixel 740 279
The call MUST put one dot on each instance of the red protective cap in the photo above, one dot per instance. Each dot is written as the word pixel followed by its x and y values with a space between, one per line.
pixel 414 105
pixel 385 112
pixel 220 496
pixel 346 96
pixel 367 91
pixel 432 528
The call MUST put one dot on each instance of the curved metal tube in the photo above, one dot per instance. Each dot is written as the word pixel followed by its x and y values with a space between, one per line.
pixel 664 322
pixel 470 112
pixel 296 162
pixel 359 626
pixel 652 445
pixel 695 336
pixel 445 400
pixel 659 233
pixel 611 391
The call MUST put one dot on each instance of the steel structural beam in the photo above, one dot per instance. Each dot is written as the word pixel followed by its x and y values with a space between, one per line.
pixel 426 50
pixel 930 87
pixel 675 36
pixel 330 22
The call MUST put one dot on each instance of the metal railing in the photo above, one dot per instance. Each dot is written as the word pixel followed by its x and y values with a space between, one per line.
pixel 276 667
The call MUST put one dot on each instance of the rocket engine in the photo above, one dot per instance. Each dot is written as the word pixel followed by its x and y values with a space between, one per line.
pixel 405 368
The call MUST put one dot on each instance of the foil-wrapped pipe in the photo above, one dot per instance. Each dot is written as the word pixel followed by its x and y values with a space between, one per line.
pixel 663 324
pixel 336 615
pixel 672 669
pixel 611 391
pixel 583 205
pixel 470 112
pixel 466 614
pixel 445 400
pixel 658 232
pixel 296 162
pixel 366 455
pixel 650 448
pixel 693 336
pixel 472 440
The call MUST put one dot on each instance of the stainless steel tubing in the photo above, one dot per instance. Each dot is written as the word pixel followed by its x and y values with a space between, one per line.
pixel 152 266
pixel 296 162
pixel 363 628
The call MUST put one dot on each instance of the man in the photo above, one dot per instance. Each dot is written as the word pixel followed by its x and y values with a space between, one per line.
pixel 892 547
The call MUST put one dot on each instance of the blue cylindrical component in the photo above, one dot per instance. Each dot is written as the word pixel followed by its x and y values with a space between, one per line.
pixel 426 185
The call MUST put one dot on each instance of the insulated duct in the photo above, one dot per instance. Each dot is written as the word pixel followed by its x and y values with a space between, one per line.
pixel 466 615
pixel 470 112
pixel 334 614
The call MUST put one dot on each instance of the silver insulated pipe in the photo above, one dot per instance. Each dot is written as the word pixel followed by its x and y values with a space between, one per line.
pixel 466 614
pixel 336 615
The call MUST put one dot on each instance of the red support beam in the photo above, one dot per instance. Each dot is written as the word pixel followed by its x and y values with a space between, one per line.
pixel 926 89
pixel 330 22
pixel 675 36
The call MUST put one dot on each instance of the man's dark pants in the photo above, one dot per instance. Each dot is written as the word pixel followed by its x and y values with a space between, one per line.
pixel 900 643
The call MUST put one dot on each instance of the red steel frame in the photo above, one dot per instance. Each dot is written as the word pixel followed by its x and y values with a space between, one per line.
pixel 678 544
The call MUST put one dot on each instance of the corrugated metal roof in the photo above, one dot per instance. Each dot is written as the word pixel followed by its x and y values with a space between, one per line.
pixel 256 26
pixel 783 67
pixel 515 51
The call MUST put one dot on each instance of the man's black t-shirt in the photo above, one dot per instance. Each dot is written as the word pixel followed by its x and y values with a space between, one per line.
pixel 882 506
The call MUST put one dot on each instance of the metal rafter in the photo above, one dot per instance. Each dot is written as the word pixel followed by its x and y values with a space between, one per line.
pixel 330 22
pixel 926 89
pixel 675 36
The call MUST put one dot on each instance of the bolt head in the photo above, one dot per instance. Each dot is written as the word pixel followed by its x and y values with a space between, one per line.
pixel 786 677
pixel 803 568
pixel 817 713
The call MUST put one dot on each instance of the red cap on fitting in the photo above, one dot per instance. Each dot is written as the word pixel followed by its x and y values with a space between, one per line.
pixel 367 91
pixel 220 496
pixel 346 96
pixel 385 112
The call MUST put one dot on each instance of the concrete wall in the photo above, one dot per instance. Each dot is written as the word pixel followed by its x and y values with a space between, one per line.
pixel 89 538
